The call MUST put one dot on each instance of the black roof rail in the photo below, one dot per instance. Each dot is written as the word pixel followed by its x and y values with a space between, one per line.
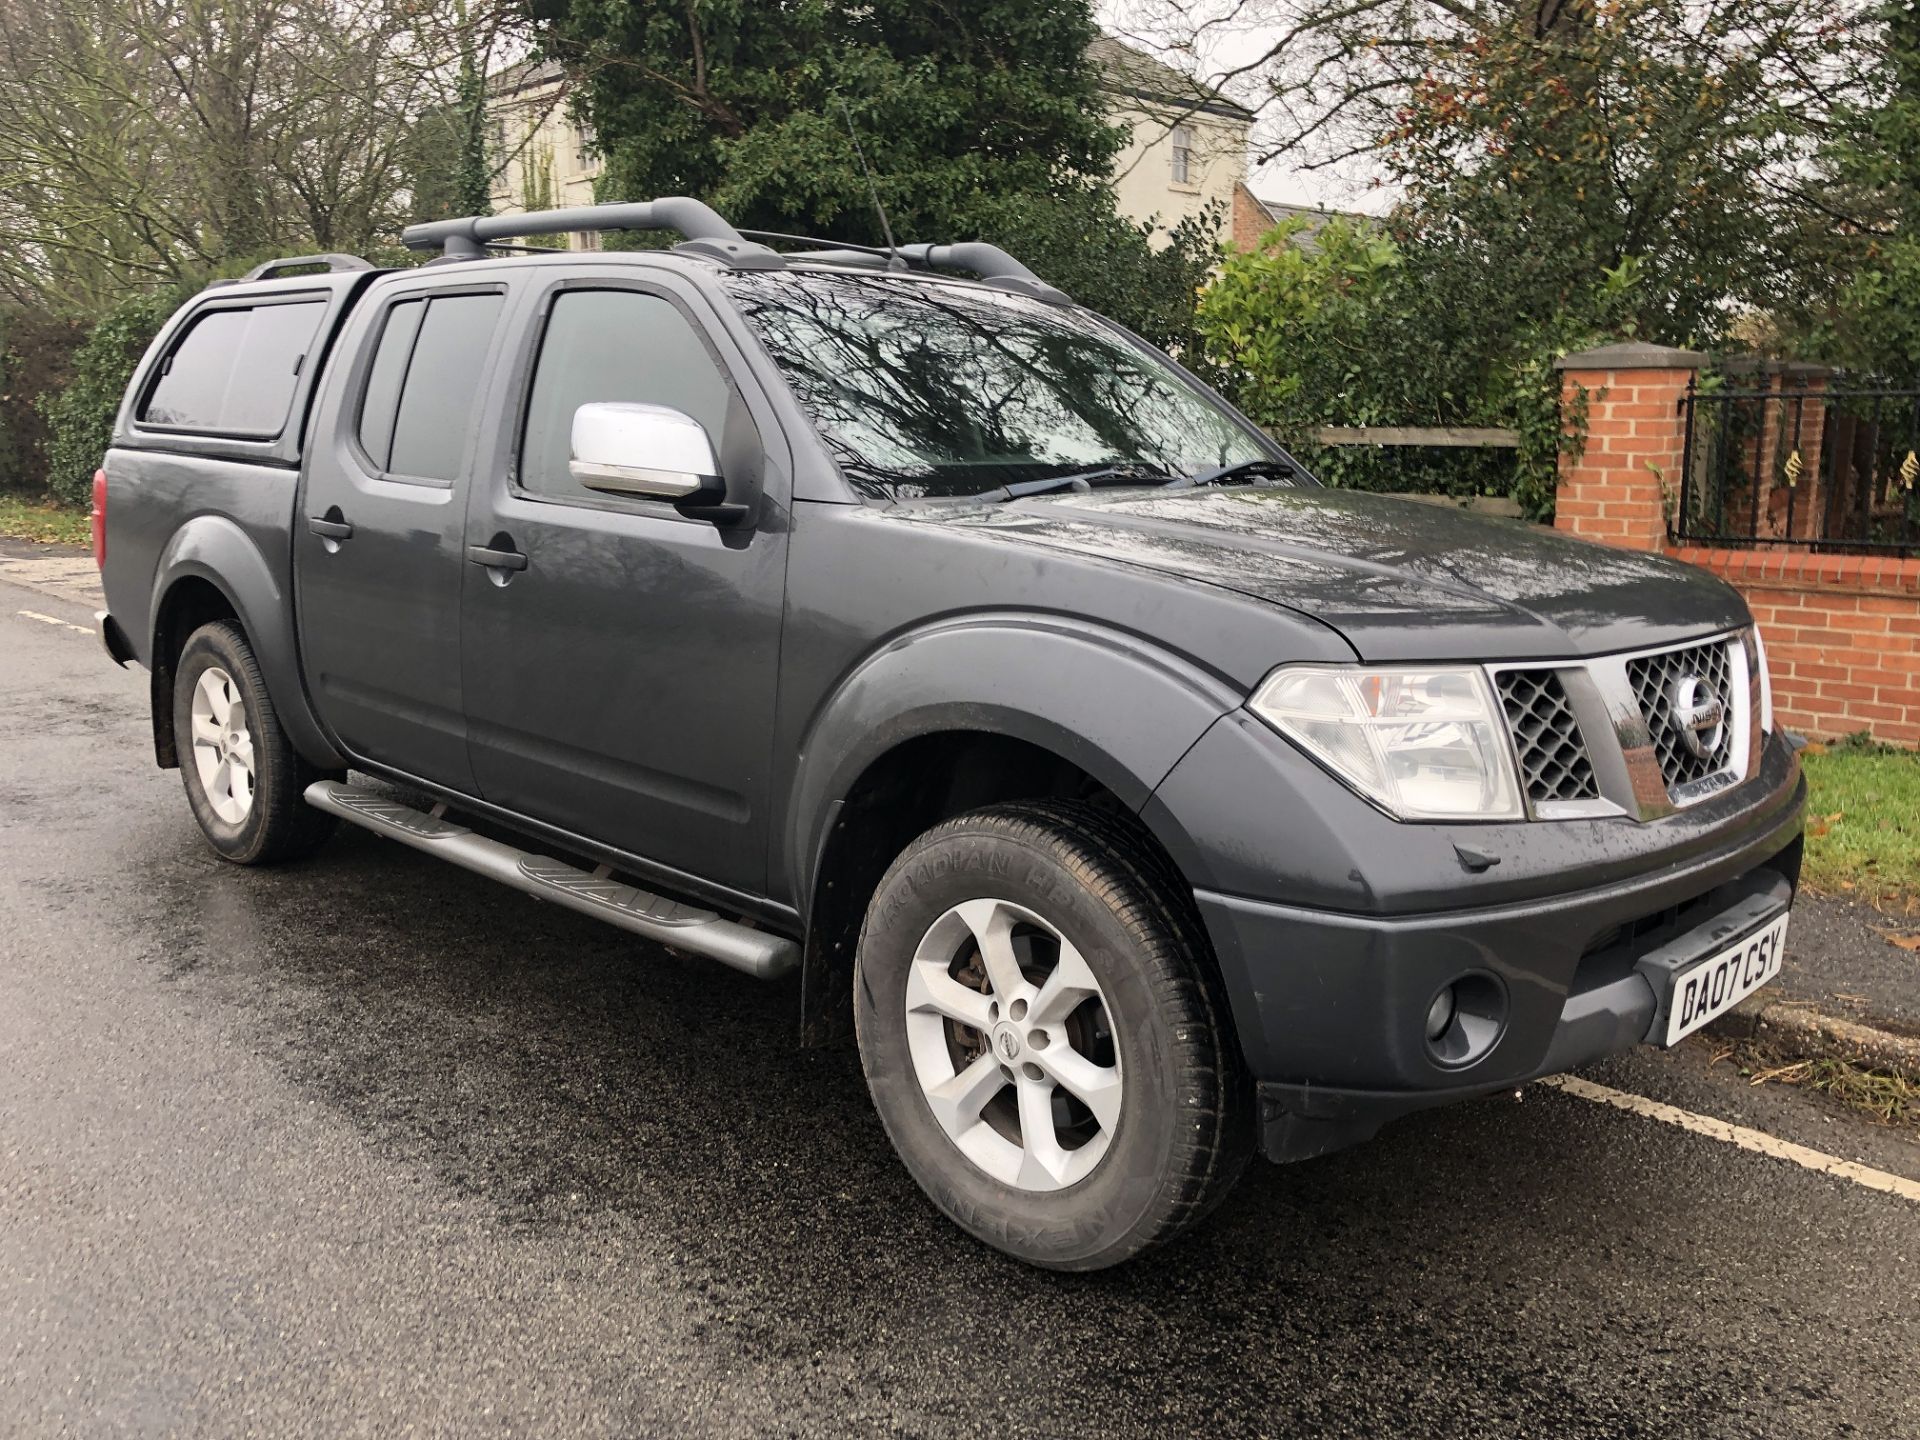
pixel 833 252
pixel 989 262
pixel 854 259
pixel 707 233
pixel 976 257
pixel 824 245
pixel 335 263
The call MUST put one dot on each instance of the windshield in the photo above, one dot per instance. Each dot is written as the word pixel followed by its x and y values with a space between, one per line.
pixel 928 389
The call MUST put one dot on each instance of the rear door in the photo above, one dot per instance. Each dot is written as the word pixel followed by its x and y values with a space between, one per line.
pixel 378 543
pixel 620 683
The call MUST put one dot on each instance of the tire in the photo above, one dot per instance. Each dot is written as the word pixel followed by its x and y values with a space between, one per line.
pixel 245 782
pixel 1154 1122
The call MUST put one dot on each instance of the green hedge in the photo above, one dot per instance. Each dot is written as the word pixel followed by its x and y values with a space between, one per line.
pixel 80 416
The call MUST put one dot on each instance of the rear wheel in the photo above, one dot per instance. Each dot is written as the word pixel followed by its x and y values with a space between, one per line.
pixel 245 782
pixel 1043 1039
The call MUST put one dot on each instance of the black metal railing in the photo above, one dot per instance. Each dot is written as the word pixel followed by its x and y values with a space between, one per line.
pixel 1795 455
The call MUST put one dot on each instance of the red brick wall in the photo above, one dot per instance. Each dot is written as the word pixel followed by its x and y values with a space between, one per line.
pixel 1249 220
pixel 1842 633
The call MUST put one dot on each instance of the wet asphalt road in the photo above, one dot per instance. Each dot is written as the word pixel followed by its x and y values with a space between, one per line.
pixel 371 1147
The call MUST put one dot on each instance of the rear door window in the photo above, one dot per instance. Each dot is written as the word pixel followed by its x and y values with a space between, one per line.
pixel 417 411
pixel 382 400
pixel 233 369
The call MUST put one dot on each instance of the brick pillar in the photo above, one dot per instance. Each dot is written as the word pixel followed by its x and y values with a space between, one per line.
pixel 1614 490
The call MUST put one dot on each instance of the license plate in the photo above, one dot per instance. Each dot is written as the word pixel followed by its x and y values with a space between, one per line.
pixel 1710 988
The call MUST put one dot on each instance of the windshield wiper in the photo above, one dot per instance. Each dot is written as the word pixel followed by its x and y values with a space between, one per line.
pixel 1127 474
pixel 1261 465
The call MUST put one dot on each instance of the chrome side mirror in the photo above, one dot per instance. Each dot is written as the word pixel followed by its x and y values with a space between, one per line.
pixel 626 448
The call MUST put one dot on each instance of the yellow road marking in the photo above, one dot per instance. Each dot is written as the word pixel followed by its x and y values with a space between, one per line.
pixel 55 620
pixel 1757 1141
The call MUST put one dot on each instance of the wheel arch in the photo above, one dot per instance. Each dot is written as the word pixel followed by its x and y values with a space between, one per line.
pixel 1077 712
pixel 210 570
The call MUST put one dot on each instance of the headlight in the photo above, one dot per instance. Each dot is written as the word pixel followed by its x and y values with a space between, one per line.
pixel 1423 744
pixel 1766 682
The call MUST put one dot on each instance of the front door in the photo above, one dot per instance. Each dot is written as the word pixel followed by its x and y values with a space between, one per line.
pixel 379 543
pixel 620 668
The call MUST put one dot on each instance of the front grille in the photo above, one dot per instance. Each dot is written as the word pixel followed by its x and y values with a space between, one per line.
pixel 1546 737
pixel 1655 679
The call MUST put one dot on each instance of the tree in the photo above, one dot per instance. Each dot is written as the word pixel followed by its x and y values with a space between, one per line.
pixel 452 163
pixel 1676 132
pixel 957 105
pixel 981 119
pixel 1544 141
pixel 143 142
pixel 1080 243
pixel 1867 237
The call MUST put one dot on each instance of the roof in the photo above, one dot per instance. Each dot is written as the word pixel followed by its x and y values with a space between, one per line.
pixel 1133 73
pixel 1269 213
pixel 1279 211
pixel 525 75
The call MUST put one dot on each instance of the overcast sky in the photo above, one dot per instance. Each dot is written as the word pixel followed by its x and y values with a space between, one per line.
pixel 1231 34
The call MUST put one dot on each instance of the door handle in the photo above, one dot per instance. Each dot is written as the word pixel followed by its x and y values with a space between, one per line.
pixel 329 529
pixel 496 559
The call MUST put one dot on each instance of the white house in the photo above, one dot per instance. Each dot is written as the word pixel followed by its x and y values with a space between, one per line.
pixel 1186 143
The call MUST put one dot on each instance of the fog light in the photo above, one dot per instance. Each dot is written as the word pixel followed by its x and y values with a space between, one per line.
pixel 1465 1020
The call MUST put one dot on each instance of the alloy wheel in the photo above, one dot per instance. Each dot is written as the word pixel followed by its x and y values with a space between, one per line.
pixel 1012 1042
pixel 223 746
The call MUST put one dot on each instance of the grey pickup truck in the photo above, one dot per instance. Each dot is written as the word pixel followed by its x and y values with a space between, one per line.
pixel 883 616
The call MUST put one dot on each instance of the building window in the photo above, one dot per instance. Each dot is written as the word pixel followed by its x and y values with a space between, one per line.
pixel 583 145
pixel 1181 138
pixel 586 240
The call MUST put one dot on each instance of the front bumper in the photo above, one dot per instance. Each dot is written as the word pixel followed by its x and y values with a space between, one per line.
pixel 1331 1006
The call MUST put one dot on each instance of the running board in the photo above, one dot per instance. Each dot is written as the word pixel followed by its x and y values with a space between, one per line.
pixel 591 892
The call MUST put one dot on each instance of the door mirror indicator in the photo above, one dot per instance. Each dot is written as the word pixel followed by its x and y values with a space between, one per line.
pixel 627 448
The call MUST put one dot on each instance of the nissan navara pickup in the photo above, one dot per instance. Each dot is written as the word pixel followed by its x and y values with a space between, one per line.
pixel 1136 802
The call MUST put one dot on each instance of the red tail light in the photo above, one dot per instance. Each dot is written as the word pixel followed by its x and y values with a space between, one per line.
pixel 100 518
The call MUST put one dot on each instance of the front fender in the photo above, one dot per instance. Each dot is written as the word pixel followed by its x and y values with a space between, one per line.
pixel 215 549
pixel 1120 709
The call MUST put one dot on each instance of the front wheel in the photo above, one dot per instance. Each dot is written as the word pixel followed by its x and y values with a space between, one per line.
pixel 1044 1039
pixel 245 782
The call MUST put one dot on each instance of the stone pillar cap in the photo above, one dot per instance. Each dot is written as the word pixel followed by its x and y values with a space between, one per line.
pixel 1632 355
pixel 1748 365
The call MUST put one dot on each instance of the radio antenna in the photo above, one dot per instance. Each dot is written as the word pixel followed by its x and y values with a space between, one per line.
pixel 895 260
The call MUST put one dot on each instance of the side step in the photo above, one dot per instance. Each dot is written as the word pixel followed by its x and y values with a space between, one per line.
pixel 591 892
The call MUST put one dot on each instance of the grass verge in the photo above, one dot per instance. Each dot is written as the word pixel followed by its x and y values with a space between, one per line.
pixel 23 519
pixel 1888 1097
pixel 1863 822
